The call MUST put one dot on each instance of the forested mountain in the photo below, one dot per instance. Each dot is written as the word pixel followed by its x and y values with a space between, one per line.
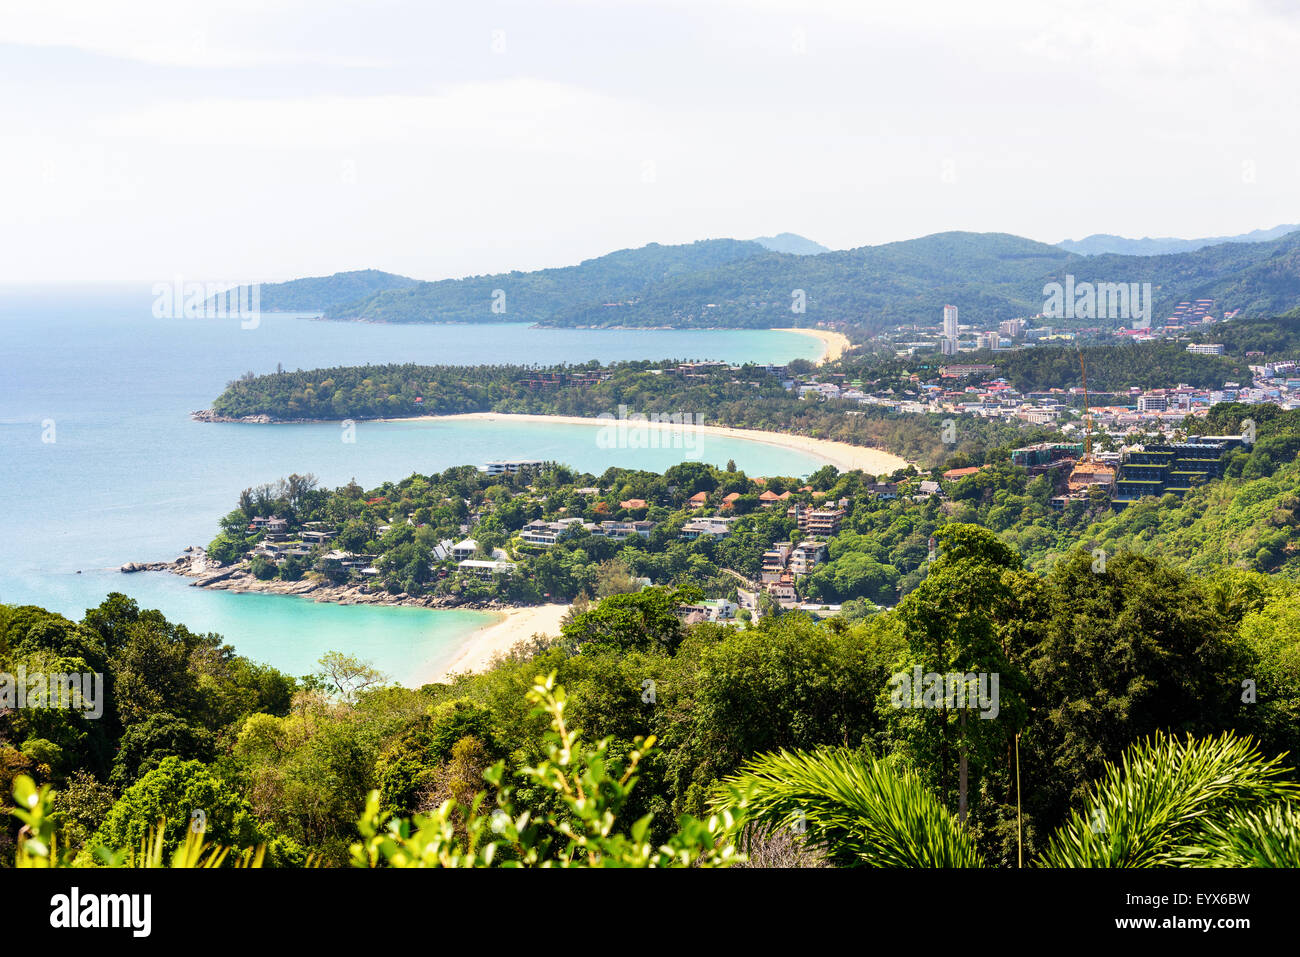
pixel 320 293
pixel 992 275
pixel 786 280
pixel 1257 278
pixel 1099 243
pixel 533 296
pixel 791 243
pixel 989 276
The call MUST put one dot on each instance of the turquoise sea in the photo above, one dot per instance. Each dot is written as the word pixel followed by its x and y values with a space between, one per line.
pixel 102 464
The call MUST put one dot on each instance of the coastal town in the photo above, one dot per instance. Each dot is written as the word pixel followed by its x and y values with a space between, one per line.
pixel 525 532
pixel 304 558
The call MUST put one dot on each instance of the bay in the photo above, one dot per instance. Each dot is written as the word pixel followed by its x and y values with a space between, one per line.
pixel 104 465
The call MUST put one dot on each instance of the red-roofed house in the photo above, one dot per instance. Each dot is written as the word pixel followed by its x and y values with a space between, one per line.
pixel 952 475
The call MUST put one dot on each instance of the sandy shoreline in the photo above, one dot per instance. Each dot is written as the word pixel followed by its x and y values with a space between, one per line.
pixel 835 343
pixel 513 626
pixel 843 456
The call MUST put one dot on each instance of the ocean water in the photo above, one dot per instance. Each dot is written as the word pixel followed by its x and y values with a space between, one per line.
pixel 103 464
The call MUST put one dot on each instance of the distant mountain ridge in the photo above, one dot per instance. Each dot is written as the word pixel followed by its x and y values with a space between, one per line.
pixel 534 296
pixel 728 283
pixel 1101 243
pixel 316 294
pixel 791 243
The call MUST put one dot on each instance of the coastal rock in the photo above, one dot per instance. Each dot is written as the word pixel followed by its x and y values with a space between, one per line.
pixel 207 415
pixel 208 581
pixel 131 567
pixel 195 564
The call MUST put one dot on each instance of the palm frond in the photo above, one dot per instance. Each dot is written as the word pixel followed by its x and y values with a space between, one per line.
pixel 1265 838
pixel 862 811
pixel 1154 807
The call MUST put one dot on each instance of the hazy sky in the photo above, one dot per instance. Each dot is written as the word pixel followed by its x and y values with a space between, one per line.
pixel 237 140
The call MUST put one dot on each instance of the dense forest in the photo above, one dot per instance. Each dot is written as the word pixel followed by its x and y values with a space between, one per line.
pixel 1111 367
pixel 1154 648
pixel 1276 338
pixel 750 398
pixel 1137 695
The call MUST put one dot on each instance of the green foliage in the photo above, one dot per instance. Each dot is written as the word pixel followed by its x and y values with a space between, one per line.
pixel 644 620
pixel 1155 806
pixel 587 830
pixel 172 793
pixel 144 746
pixel 1264 838
pixel 859 809
pixel 40 847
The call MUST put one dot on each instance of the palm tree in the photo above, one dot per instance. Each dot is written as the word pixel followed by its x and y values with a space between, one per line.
pixel 861 810
pixel 1210 802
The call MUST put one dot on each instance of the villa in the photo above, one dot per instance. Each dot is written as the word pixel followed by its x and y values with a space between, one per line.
pixel 712 527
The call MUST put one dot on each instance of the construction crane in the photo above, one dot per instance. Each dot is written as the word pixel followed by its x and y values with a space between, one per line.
pixel 1088 471
pixel 1087 415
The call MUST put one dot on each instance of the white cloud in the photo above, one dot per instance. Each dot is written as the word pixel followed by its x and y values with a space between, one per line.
pixel 527 114
pixel 1060 117
pixel 181 33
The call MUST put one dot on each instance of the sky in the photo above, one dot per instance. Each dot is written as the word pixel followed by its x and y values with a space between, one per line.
pixel 255 140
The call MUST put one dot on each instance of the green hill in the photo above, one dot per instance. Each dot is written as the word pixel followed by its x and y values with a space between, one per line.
pixel 993 275
pixel 1100 243
pixel 727 283
pixel 320 293
pixel 791 243
pixel 534 296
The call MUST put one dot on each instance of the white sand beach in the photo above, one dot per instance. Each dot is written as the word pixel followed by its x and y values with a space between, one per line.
pixel 843 456
pixel 513 626
pixel 835 343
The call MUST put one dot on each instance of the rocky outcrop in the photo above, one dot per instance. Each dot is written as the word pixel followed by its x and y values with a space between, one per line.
pixel 238 578
pixel 207 415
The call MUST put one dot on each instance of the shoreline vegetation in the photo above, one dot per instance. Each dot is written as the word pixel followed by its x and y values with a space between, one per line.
pixel 762 402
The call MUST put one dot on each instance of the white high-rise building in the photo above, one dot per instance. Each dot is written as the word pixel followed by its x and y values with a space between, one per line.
pixel 951 330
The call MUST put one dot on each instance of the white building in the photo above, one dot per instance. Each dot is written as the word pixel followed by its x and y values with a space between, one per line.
pixel 951 329
pixel 504 468
pixel 712 527
pixel 464 549
pixel 483 569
